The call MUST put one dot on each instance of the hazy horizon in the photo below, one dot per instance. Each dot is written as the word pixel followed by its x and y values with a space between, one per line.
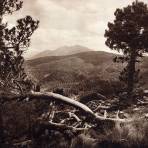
pixel 68 23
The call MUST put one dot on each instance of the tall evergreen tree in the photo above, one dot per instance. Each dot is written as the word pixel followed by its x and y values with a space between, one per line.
pixel 129 34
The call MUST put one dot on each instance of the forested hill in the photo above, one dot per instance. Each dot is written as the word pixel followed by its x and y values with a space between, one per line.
pixel 55 70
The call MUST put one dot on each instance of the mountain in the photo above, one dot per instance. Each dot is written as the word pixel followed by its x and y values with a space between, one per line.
pixel 63 51
pixel 82 63
pixel 79 71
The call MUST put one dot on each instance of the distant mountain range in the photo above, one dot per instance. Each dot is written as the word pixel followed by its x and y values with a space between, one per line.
pixel 71 71
pixel 62 51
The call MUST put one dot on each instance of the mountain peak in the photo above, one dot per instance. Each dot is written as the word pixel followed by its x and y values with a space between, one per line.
pixel 63 51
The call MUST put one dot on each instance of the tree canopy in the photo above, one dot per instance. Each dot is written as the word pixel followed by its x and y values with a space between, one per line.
pixel 129 31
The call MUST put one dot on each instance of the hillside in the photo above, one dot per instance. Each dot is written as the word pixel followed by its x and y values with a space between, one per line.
pixel 79 70
pixel 82 63
pixel 62 51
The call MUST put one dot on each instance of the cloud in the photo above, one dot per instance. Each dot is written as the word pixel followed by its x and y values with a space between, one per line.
pixel 69 22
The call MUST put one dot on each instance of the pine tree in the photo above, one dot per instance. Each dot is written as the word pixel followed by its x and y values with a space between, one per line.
pixel 12 46
pixel 129 34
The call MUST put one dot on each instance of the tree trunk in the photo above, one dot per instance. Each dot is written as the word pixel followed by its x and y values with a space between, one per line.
pixel 131 72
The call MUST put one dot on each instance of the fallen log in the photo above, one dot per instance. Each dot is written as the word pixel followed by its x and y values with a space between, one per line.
pixel 57 97
pixel 60 98
pixel 74 103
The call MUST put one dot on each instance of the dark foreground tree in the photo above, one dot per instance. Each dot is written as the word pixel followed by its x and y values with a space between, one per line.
pixel 12 44
pixel 129 34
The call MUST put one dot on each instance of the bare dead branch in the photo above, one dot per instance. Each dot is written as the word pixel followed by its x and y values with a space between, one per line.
pixel 23 143
pixel 60 126
pixel 82 107
pixel 101 107
pixel 74 116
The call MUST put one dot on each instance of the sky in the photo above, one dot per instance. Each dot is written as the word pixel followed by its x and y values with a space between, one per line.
pixel 68 22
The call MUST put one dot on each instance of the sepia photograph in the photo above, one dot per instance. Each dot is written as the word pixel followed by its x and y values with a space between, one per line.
pixel 73 73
